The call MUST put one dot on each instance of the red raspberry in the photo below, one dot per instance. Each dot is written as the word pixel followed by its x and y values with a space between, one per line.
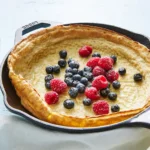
pixel 100 82
pixel 89 48
pixel 58 85
pixel 101 107
pixel 98 71
pixel 112 75
pixel 92 62
pixel 92 93
pixel 106 63
pixel 85 51
pixel 51 97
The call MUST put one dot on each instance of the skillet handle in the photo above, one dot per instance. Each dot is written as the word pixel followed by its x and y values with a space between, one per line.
pixel 31 27
pixel 141 120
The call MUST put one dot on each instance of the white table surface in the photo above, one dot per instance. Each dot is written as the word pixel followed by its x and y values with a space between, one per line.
pixel 130 14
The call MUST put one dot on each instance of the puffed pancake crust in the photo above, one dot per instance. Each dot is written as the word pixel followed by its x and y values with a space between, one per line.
pixel 28 59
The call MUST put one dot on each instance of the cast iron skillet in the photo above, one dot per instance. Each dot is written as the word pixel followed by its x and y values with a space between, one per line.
pixel 12 101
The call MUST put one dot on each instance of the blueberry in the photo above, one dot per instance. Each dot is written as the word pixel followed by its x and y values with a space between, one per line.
pixel 75 82
pixel 56 69
pixel 112 96
pixel 88 75
pixel 76 77
pixel 138 77
pixel 116 84
pixel 115 108
pixel 68 103
pixel 87 101
pixel 74 71
pixel 47 85
pixel 80 72
pixel 69 60
pixel 74 64
pixel 122 71
pixel 73 92
pixel 62 63
pixel 68 81
pixel 96 54
pixel 69 74
pixel 48 77
pixel 49 69
pixel 87 69
pixel 84 81
pixel 114 58
pixel 104 92
pixel 63 53
pixel 80 87
pixel 68 70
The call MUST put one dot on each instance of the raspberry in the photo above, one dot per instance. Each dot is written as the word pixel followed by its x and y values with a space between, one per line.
pixel 85 51
pixel 101 107
pixel 92 62
pixel 51 97
pixel 106 63
pixel 98 71
pixel 92 93
pixel 58 85
pixel 89 48
pixel 100 82
pixel 112 75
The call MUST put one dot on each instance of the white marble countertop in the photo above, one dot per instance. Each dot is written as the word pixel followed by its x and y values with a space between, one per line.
pixel 132 15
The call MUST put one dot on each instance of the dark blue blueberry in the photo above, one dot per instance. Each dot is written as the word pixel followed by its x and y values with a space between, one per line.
pixel 87 101
pixel 80 72
pixel 47 85
pixel 73 92
pixel 96 54
pixel 88 75
pixel 87 69
pixel 112 96
pixel 68 81
pixel 49 69
pixel 63 53
pixel 48 77
pixel 122 71
pixel 75 82
pixel 84 81
pixel 56 69
pixel 68 103
pixel 62 63
pixel 115 108
pixel 116 84
pixel 80 87
pixel 114 58
pixel 68 70
pixel 76 77
pixel 138 77
pixel 104 92
pixel 69 74
pixel 69 60
pixel 74 71
pixel 74 64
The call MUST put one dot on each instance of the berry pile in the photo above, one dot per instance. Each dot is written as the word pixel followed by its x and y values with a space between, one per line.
pixel 56 85
pixel 77 79
pixel 94 81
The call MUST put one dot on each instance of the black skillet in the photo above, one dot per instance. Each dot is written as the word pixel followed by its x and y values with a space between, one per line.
pixel 12 101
